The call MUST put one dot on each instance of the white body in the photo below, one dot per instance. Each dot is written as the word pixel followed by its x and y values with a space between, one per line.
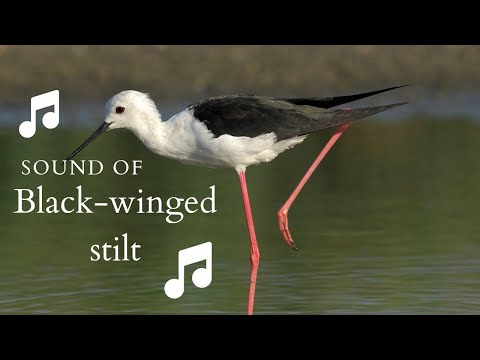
pixel 188 140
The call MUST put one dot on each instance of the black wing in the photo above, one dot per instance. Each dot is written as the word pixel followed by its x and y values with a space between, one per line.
pixel 254 115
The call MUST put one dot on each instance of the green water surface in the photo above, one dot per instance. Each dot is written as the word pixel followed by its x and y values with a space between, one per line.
pixel 389 223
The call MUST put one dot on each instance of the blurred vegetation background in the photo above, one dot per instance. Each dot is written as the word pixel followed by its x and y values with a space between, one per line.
pixel 191 72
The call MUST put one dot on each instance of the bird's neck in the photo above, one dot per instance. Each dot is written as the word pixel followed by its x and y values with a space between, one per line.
pixel 155 135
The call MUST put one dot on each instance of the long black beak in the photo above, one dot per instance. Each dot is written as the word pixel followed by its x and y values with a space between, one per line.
pixel 96 133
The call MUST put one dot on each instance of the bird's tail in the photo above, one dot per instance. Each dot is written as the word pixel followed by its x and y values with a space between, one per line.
pixel 334 117
pixel 329 102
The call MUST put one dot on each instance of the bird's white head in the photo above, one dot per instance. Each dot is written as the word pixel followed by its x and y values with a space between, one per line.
pixel 130 109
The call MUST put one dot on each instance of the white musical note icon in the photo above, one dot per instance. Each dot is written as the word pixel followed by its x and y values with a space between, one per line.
pixel 201 278
pixel 50 120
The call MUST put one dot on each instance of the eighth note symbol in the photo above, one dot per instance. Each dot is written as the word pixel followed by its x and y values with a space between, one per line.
pixel 50 120
pixel 201 278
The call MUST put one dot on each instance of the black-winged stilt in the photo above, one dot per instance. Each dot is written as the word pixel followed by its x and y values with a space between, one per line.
pixel 235 131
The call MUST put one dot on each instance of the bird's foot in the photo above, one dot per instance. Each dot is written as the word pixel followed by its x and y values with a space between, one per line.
pixel 283 224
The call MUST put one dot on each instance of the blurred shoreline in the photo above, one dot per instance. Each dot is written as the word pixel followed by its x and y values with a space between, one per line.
pixel 83 115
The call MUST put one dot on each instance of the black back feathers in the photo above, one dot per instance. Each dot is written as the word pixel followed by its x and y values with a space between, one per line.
pixel 252 116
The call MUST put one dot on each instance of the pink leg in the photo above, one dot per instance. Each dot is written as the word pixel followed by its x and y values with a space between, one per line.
pixel 283 212
pixel 254 253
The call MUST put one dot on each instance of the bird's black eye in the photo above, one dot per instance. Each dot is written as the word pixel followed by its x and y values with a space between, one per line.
pixel 119 109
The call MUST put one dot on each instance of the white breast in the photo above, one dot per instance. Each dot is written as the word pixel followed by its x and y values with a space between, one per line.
pixel 189 141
